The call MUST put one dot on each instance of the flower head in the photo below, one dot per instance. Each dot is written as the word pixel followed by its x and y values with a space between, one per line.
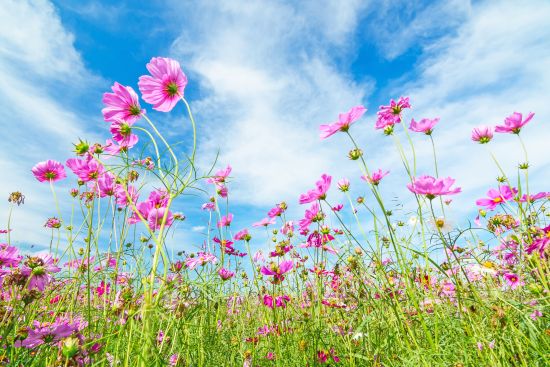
pixel 514 123
pixel 344 122
pixel 425 126
pixel 319 193
pixel 483 134
pixel 495 197
pixel 166 85
pixel 225 274
pixel 122 104
pixel 277 271
pixel 391 115
pixel 49 171
pixel 432 187
pixel 376 177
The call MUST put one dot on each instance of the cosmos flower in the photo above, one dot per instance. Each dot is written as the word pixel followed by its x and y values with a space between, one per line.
pixel 345 120
pixel 514 123
pixel 86 169
pixel 49 170
pixel 319 193
pixel 513 280
pixel 242 235
pixel 225 221
pixel 166 84
pixel 39 269
pixel 202 258
pixel 375 177
pixel 483 134
pixel 277 271
pixel 264 222
pixel 391 115
pixel 221 176
pixel 122 104
pixel 423 126
pixel 496 197
pixel 9 256
pixel 225 274
pixel 432 187
pixel 343 185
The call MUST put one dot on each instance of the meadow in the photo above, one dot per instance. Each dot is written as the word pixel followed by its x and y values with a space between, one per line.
pixel 346 284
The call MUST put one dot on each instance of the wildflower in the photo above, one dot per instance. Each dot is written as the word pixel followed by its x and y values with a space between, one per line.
pixel 9 256
pixel 166 85
pixel 103 288
pixel 531 198
pixel 423 126
pixel 278 210
pixel 540 243
pixel 391 115
pixel 514 123
pixel 16 197
pixel 513 280
pixel 225 274
pixel 122 104
pixel 376 177
pixel 483 134
pixel 264 222
pixel 49 171
pixel 225 221
pixel 156 217
pixel 432 187
pixel 113 148
pixel 46 333
pixel 242 235
pixel 343 185
pixel 173 361
pixel 208 206
pixel 319 193
pixel 221 176
pixel 38 269
pixel 270 356
pixel 86 170
pixel 201 259
pixel 106 184
pixel 277 271
pixel 535 315
pixel 258 256
pixel 497 197
pixel 337 207
pixel 53 223
pixel 122 133
pixel 125 196
pixel 311 215
pixel 345 120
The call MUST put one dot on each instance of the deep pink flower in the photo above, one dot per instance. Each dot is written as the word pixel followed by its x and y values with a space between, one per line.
pixel 513 280
pixel 344 122
pixel 113 148
pixel 531 198
pixel 425 126
pixel 49 171
pixel 52 223
pixel 125 197
pixel 45 333
pixel 123 104
pixel 225 274
pixel 86 169
pixel 391 115
pixel 514 123
pixel 9 256
pixel 277 211
pixel 106 184
pixel 539 244
pixel 376 177
pixel 103 288
pixel 225 221
pixel 155 217
pixel 496 197
pixel 432 187
pixel 242 235
pixel 277 271
pixel 483 134
pixel 221 176
pixel 39 269
pixel 319 193
pixel 166 85
pixel 122 133
pixel 311 215
pixel 201 259
pixel 264 222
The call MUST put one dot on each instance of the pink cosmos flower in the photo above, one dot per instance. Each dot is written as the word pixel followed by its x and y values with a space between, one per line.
pixel 539 244
pixel 432 187
pixel 242 235
pixel 53 222
pixel 123 104
pixel 201 259
pixel 343 185
pixel 535 315
pixel 227 247
pixel 376 177
pixel 125 197
pixel 277 211
pixel 277 271
pixel 86 169
pixel 106 184
pixel 166 85
pixel 225 274
pixel 337 208
pixel 113 148
pixel 531 198
pixel 311 215
pixel 49 171
pixel 258 256
pixel 208 206
pixel 391 115
pixel 155 218
pixel 423 126
pixel 122 133
pixel 225 221
pixel 9 256
pixel 483 134
pixel 221 176
pixel 173 361
pixel 513 280
pixel 514 123
pixel 497 197
pixel 288 227
pixel 344 122
pixel 46 333
pixel 39 269
pixel 319 193
pixel 264 222
pixel 103 288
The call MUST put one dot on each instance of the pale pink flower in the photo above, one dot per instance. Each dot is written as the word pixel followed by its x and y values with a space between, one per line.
pixel 345 120
pixel 155 218
pixel 39 269
pixel 225 221
pixel 166 85
pixel 49 170
pixel 483 134
pixel 264 222
pixel 343 185
pixel 126 197
pixel 319 193
pixel 535 315
pixel 242 235
pixel 106 184
pixel 86 169
pixel 432 187
pixel 122 133
pixel 202 258
pixel 425 126
pixel 375 177
pixel 514 123
pixel 391 115
pixel 496 197
pixel 221 176
pixel 123 104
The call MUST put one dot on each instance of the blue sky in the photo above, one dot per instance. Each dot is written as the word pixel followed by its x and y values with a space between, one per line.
pixel 263 75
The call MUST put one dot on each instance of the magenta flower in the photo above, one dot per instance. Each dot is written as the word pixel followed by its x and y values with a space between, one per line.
pixel 155 218
pixel 86 170
pixel 126 197
pixel 49 171
pixel 539 244
pixel 242 235
pixel 432 187
pixel 221 176
pixel 319 193
pixel 514 123
pixel 495 197
pixel 225 221
pixel 39 269
pixel 225 274
pixel 513 280
pixel 46 333
pixel 277 271
pixel 376 177
pixel 391 115
pixel 123 104
pixel 483 134
pixel 166 85
pixel 311 215
pixel 201 259
pixel 122 133
pixel 531 198
pixel 106 184
pixel 425 126
pixel 344 122
pixel 264 222
pixel 9 256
